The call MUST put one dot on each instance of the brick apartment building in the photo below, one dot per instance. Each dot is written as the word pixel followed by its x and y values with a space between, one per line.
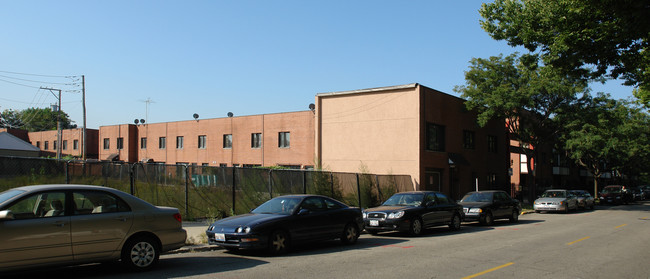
pixel 407 129
pixel 72 141
pixel 282 139
pixel 415 130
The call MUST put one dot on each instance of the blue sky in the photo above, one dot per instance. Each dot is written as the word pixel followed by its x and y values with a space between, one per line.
pixel 246 57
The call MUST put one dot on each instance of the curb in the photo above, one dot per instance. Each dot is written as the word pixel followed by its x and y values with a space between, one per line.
pixel 194 248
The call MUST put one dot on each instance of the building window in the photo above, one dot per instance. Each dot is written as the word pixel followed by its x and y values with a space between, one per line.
pixel 107 144
pixel 256 140
pixel 75 144
pixel 120 143
pixel 205 164
pixel 203 140
pixel 64 146
pixel 468 139
pixel 47 143
pixel 38 144
pixel 284 139
pixel 227 141
pixel 54 145
pixel 222 165
pixel 492 143
pixel 143 143
pixel 179 142
pixel 435 137
pixel 162 142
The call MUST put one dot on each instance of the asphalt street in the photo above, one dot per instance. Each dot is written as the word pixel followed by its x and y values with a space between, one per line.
pixel 609 242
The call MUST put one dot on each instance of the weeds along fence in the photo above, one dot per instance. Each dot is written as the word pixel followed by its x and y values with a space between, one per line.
pixel 203 192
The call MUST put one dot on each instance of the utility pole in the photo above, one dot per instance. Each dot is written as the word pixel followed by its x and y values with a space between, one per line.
pixel 58 121
pixel 83 100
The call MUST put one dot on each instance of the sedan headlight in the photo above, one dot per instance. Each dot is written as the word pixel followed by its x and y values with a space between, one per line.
pixel 365 215
pixel 475 210
pixel 396 215
pixel 244 229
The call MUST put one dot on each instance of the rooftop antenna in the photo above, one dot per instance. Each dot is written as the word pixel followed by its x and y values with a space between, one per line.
pixel 147 102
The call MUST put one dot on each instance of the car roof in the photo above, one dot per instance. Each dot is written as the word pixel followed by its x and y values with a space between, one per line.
pixel 487 191
pixel 31 188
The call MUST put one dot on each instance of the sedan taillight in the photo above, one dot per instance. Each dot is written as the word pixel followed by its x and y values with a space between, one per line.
pixel 178 217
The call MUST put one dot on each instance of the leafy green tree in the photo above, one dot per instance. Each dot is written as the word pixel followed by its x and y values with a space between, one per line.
pixel 611 37
pixel 10 119
pixel 35 119
pixel 602 135
pixel 528 96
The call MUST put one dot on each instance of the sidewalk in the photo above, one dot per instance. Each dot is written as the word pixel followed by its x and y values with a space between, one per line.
pixel 196 240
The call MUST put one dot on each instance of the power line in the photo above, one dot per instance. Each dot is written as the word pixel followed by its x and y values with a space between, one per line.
pixel 40 81
pixel 37 75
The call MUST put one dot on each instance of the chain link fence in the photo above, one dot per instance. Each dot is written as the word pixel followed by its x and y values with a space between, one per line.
pixel 204 192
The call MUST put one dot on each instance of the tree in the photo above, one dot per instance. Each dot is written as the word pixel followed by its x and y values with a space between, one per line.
pixel 609 36
pixel 10 119
pixel 35 119
pixel 602 134
pixel 527 95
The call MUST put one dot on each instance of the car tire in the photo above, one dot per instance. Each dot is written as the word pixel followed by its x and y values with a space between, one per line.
pixel 454 225
pixel 487 219
pixel 537 211
pixel 514 218
pixel 416 227
pixel 278 243
pixel 140 253
pixel 591 206
pixel 350 234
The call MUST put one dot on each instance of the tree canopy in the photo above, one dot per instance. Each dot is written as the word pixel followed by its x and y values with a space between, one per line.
pixel 586 38
pixel 520 90
pixel 34 119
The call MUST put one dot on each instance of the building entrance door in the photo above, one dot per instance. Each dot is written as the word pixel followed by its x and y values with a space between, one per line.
pixel 432 181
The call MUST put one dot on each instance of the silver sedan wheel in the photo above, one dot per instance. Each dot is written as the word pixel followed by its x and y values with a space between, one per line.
pixel 143 254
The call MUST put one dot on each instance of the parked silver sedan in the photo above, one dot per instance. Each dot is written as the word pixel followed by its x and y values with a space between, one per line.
pixel 45 225
pixel 556 200
pixel 585 200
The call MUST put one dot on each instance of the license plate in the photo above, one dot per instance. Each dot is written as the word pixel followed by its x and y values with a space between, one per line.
pixel 220 237
pixel 374 223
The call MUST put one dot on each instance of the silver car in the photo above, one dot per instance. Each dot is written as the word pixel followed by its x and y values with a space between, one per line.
pixel 46 225
pixel 556 200
pixel 585 200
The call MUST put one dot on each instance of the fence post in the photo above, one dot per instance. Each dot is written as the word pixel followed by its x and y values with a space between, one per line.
pixel 132 178
pixel 381 196
pixel 358 190
pixel 270 183
pixel 233 190
pixel 332 183
pixel 304 182
pixel 67 175
pixel 187 191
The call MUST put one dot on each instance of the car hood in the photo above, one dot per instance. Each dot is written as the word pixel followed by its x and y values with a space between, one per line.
pixel 475 204
pixel 249 219
pixel 389 208
pixel 550 199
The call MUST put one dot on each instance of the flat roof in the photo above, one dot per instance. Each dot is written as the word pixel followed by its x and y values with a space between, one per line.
pixel 368 90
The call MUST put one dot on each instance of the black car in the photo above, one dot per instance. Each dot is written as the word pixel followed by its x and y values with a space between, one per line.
pixel 412 212
pixel 283 221
pixel 487 206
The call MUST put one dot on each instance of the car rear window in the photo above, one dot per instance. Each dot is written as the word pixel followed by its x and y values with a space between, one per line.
pixel 6 195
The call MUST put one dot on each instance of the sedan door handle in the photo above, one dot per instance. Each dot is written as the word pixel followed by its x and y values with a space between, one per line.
pixel 59 224
pixel 123 219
